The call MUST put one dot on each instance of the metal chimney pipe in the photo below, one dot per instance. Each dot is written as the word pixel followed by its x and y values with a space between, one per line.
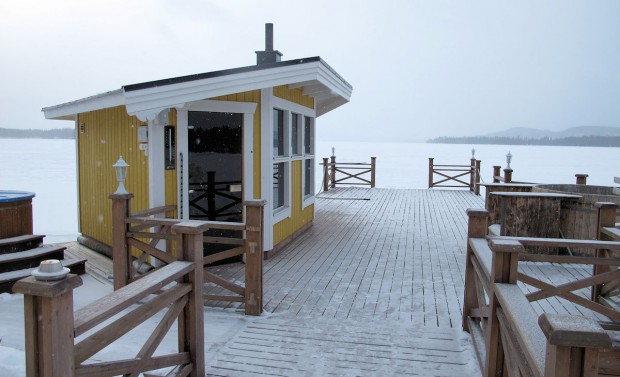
pixel 269 37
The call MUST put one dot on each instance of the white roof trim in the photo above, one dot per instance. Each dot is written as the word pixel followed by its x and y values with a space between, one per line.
pixel 67 111
pixel 328 89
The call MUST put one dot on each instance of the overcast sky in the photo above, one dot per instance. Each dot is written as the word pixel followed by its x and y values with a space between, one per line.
pixel 419 69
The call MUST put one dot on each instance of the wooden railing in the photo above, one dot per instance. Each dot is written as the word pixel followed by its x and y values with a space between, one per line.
pixel 508 334
pixel 455 176
pixel 497 178
pixel 348 173
pixel 141 233
pixel 212 192
pixel 63 343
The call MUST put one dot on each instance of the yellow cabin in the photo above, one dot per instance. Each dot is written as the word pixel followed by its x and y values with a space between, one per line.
pixel 206 142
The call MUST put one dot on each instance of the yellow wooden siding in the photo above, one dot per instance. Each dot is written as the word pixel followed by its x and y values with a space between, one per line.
pixel 299 217
pixel 293 95
pixel 251 96
pixel 107 134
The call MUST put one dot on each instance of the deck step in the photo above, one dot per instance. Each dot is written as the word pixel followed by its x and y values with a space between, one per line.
pixel 30 258
pixel 20 243
pixel 7 279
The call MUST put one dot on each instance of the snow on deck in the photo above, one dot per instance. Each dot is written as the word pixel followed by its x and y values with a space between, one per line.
pixel 374 287
pixel 379 254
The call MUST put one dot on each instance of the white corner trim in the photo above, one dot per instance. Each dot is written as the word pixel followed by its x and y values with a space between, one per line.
pixel 266 96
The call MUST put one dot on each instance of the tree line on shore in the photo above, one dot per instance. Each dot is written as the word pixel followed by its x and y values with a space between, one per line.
pixel 60 133
pixel 573 141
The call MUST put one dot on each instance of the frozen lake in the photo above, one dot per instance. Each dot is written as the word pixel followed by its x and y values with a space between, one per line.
pixel 47 167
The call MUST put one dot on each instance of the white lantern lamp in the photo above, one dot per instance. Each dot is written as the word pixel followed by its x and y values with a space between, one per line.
pixel 121 173
pixel 473 153
pixel 508 159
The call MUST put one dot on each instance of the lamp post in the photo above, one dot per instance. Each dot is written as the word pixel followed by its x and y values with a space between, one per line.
pixel 508 170
pixel 121 173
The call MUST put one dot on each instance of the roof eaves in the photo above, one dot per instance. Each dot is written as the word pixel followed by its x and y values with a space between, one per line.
pixel 68 110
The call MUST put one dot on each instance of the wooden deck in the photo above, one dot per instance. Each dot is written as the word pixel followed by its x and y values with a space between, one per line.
pixel 374 254
pixel 375 286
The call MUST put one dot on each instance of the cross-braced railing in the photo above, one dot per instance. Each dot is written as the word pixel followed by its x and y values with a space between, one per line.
pixel 454 176
pixel 139 236
pixel 348 173
pixel 509 335
pixel 64 343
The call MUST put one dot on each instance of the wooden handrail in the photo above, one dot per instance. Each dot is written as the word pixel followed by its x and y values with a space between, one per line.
pixel 134 233
pixel 496 308
pixel 51 324
pixel 346 170
pixel 455 174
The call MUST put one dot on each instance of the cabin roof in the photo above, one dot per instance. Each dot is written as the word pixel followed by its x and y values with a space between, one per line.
pixel 316 78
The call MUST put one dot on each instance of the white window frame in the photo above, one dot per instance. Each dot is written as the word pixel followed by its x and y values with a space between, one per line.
pixel 268 102
pixel 299 142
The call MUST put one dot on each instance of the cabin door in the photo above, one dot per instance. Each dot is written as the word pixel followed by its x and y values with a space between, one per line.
pixel 215 166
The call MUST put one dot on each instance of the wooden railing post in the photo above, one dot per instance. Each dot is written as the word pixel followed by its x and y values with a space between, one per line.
pixel 606 218
pixel 504 269
pixel 477 183
pixel 507 175
pixel 430 172
pixel 254 257
pixel 212 215
pixel 191 322
pixel 573 344
pixel 373 167
pixel 581 179
pixel 472 174
pixel 476 228
pixel 48 324
pixel 325 174
pixel 333 171
pixel 496 173
pixel 121 258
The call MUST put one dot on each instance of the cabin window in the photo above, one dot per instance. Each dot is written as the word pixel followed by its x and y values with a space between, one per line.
pixel 293 148
pixel 296 134
pixel 308 177
pixel 308 135
pixel 280 180
pixel 279 133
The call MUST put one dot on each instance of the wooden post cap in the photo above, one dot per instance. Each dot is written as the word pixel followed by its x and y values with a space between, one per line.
pixel 191 227
pixel 255 203
pixel 33 287
pixel 121 196
pixel 573 331
pixel 506 246
pixel 476 212
pixel 605 204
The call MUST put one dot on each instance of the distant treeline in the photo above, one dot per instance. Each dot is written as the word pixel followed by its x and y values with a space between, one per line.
pixel 12 133
pixel 581 141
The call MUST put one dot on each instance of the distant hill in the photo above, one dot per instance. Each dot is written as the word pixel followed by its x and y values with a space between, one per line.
pixel 13 133
pixel 533 133
pixel 576 136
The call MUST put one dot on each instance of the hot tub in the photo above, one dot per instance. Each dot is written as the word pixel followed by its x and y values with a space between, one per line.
pixel 15 213
pixel 578 218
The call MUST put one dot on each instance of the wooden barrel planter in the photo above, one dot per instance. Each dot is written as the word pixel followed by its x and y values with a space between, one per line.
pixel 15 213
pixel 578 218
